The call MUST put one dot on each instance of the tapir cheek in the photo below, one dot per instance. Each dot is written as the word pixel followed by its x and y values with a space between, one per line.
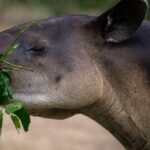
pixel 77 90
pixel 72 91
pixel 57 88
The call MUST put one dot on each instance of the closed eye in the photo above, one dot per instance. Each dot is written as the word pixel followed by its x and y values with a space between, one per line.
pixel 37 49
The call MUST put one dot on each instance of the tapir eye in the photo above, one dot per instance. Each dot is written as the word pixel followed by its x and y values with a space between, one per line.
pixel 36 50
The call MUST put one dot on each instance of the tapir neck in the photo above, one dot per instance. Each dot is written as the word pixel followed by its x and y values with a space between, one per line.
pixel 123 108
pixel 110 114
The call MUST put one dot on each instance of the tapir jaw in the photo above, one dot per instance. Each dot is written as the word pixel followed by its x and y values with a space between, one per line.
pixel 41 107
pixel 54 113
pixel 73 92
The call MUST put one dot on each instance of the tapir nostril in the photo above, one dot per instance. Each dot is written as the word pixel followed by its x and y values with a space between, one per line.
pixel 58 78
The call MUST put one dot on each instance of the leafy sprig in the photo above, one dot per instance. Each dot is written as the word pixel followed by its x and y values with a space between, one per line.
pixel 15 109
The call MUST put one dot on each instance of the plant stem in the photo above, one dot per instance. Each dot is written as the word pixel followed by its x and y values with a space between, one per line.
pixel 17 66
pixel 18 36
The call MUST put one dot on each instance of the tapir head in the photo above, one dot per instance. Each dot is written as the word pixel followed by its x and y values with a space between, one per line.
pixel 63 55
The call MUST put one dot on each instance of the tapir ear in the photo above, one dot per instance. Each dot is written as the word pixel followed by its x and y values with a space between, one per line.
pixel 120 22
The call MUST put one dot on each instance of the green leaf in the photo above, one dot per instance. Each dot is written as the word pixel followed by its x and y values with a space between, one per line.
pixel 1 122
pixel 13 107
pixel 24 117
pixel 5 89
pixel 12 48
pixel 16 121
pixel 1 57
pixel 6 73
pixel 15 46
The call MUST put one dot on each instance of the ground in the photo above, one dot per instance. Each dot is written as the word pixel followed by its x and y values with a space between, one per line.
pixel 76 133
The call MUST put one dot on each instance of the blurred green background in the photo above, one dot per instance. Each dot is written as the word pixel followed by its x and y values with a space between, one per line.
pixel 19 11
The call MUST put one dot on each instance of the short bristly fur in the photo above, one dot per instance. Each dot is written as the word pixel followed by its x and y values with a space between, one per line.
pixel 97 66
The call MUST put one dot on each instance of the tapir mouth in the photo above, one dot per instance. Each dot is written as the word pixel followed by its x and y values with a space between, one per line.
pixel 33 100
pixel 53 113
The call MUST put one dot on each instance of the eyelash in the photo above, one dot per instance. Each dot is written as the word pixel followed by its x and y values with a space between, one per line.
pixel 37 49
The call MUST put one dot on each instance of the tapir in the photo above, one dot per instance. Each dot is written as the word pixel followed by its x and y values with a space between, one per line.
pixel 98 66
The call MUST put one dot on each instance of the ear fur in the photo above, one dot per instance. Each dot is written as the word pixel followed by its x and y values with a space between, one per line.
pixel 120 22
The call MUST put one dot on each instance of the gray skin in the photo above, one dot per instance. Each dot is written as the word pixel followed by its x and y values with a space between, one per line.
pixel 96 66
